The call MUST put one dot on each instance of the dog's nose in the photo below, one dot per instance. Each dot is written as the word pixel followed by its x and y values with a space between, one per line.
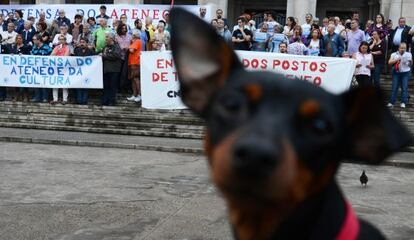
pixel 252 157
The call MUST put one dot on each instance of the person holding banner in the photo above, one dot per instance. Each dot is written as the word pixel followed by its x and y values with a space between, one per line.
pixel 62 49
pixel 82 50
pixel 112 63
pixel 20 48
pixel 316 46
pixel 42 49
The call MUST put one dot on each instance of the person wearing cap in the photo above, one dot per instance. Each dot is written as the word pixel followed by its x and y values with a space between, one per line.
pixel 62 19
pixel 102 10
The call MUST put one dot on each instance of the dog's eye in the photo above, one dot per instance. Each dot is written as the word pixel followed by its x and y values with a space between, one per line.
pixel 232 105
pixel 320 126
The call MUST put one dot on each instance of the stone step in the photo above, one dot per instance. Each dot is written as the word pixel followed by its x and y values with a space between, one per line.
pixel 101 140
pixel 52 120
pixel 150 118
pixel 101 130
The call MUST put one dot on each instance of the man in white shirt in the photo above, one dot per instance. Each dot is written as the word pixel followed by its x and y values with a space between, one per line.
pixel 401 62
pixel 64 32
pixel 9 36
pixel 306 27
pixel 338 25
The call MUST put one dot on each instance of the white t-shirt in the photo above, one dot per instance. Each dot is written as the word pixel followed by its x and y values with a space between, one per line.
pixel 271 26
pixel 306 28
pixel 313 48
pixel 286 31
pixel 364 60
pixel 69 39
pixel 8 38
pixel 405 60
pixel 339 28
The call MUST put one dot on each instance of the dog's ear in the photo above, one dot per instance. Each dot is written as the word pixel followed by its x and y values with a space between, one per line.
pixel 372 131
pixel 202 58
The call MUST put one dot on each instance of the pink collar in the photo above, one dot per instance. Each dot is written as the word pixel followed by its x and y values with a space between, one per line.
pixel 350 228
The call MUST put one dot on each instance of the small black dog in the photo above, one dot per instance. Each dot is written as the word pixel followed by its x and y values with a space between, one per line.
pixel 274 145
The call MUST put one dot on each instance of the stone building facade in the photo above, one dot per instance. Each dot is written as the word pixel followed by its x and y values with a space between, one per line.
pixel 392 9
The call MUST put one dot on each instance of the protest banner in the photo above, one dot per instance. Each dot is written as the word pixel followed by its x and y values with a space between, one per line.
pixel 160 86
pixel 114 11
pixel 51 71
pixel 159 82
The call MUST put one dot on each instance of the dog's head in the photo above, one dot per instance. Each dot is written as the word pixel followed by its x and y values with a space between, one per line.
pixel 272 141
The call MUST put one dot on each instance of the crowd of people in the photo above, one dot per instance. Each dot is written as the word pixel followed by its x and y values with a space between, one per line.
pixel 371 44
pixel 375 45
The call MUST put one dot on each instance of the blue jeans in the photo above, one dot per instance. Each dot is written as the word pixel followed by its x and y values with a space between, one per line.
pixel 41 94
pixel 81 96
pixel 400 79
pixel 3 93
pixel 376 74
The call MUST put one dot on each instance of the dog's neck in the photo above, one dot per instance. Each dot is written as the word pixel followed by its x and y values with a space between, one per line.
pixel 320 217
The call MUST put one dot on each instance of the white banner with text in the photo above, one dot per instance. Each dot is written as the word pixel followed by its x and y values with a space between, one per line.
pixel 30 71
pixel 114 11
pixel 160 86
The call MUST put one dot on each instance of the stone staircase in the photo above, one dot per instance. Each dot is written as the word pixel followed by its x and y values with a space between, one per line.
pixel 127 118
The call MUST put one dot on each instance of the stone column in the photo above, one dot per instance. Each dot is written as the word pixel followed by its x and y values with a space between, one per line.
pixel 128 1
pixel 299 9
pixel 50 1
pixel 217 4
pixel 395 11
pixel 408 11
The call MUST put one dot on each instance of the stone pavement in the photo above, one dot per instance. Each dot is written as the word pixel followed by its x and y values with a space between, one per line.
pixel 86 139
pixel 81 193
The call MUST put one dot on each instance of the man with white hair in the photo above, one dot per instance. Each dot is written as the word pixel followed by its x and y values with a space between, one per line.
pixel 334 44
pixel 62 19
pixel 338 25
pixel 100 34
pixel 27 33
pixel 9 36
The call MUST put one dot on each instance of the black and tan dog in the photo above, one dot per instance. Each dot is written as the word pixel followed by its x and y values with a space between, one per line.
pixel 274 145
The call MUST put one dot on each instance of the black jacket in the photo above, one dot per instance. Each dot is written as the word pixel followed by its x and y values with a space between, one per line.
pixel 404 37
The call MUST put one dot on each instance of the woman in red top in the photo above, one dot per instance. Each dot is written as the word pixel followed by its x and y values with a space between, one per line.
pixel 62 49
pixel 134 66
